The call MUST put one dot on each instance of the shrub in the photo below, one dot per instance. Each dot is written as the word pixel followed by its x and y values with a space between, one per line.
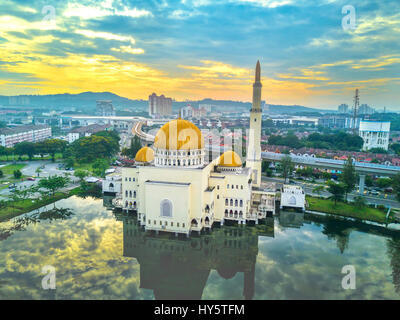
pixel 17 174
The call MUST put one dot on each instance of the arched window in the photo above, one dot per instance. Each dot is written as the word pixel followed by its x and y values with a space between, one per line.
pixel 166 208
pixel 236 203
pixel 111 185
pixel 292 201
pixel 126 193
pixel 226 202
pixel 231 202
pixel 134 194
pixel 241 203
pixel 130 194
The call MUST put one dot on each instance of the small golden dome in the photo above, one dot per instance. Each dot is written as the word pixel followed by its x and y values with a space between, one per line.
pixel 230 159
pixel 145 154
pixel 179 135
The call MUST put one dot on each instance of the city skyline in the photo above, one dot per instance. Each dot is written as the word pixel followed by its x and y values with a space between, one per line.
pixel 200 49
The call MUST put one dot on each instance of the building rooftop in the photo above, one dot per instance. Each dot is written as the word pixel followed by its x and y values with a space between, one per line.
pixel 93 128
pixel 20 129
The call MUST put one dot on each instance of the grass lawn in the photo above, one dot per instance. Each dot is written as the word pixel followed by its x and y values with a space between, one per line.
pixel 26 158
pixel 10 168
pixel 19 207
pixel 346 210
pixel 83 166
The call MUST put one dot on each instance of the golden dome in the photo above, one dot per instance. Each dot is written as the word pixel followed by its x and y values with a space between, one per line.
pixel 230 159
pixel 179 135
pixel 145 154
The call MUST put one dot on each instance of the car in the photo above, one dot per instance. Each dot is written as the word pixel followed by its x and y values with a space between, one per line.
pixel 12 186
pixel 389 190
pixel 30 179
pixel 375 192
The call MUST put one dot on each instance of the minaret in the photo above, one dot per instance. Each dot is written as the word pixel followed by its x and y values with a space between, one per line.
pixel 254 148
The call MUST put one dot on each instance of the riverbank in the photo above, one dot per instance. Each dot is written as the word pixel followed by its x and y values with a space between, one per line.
pixel 15 208
pixel 348 210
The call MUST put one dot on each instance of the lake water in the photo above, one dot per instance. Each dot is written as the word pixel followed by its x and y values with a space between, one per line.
pixel 101 255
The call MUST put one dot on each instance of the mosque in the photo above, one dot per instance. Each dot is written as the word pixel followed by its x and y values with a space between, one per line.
pixel 174 189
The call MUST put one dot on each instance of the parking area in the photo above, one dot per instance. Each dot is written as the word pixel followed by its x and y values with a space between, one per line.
pixel 30 171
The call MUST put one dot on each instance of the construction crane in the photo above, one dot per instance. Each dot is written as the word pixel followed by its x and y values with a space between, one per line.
pixel 355 111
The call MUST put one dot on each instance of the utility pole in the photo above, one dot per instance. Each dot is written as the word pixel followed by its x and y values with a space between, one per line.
pixel 355 110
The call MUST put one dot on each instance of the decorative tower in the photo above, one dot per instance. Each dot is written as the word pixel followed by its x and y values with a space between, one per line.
pixel 254 147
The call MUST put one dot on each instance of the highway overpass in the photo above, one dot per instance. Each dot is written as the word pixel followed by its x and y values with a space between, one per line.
pixel 362 168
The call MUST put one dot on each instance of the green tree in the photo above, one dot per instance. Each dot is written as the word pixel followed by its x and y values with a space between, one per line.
pixel 53 184
pixel 54 146
pixel 349 176
pixel 38 171
pixel 15 195
pixel 359 202
pixel 88 149
pixel 69 162
pixel 17 174
pixel 100 166
pixel 384 182
pixel 286 166
pixel 318 189
pixel 3 151
pixel 1 174
pixel 135 146
pixel 265 165
pixel 337 190
pixel 369 182
pixel 396 186
pixel 81 174
pixel 25 148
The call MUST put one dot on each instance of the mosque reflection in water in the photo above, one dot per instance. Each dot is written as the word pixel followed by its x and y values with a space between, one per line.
pixel 178 268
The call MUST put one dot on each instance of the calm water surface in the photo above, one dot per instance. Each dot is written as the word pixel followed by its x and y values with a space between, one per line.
pixel 98 255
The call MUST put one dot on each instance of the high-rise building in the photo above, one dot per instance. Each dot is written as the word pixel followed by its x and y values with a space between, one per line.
pixel 159 105
pixel 375 134
pixel 343 108
pixel 105 108
pixel 366 109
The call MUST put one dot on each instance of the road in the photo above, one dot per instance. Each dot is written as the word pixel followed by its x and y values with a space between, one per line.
pixel 48 169
pixel 309 187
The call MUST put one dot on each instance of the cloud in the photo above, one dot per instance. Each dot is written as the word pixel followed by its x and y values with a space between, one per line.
pixel 128 49
pixel 105 35
pixel 204 48
pixel 103 9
